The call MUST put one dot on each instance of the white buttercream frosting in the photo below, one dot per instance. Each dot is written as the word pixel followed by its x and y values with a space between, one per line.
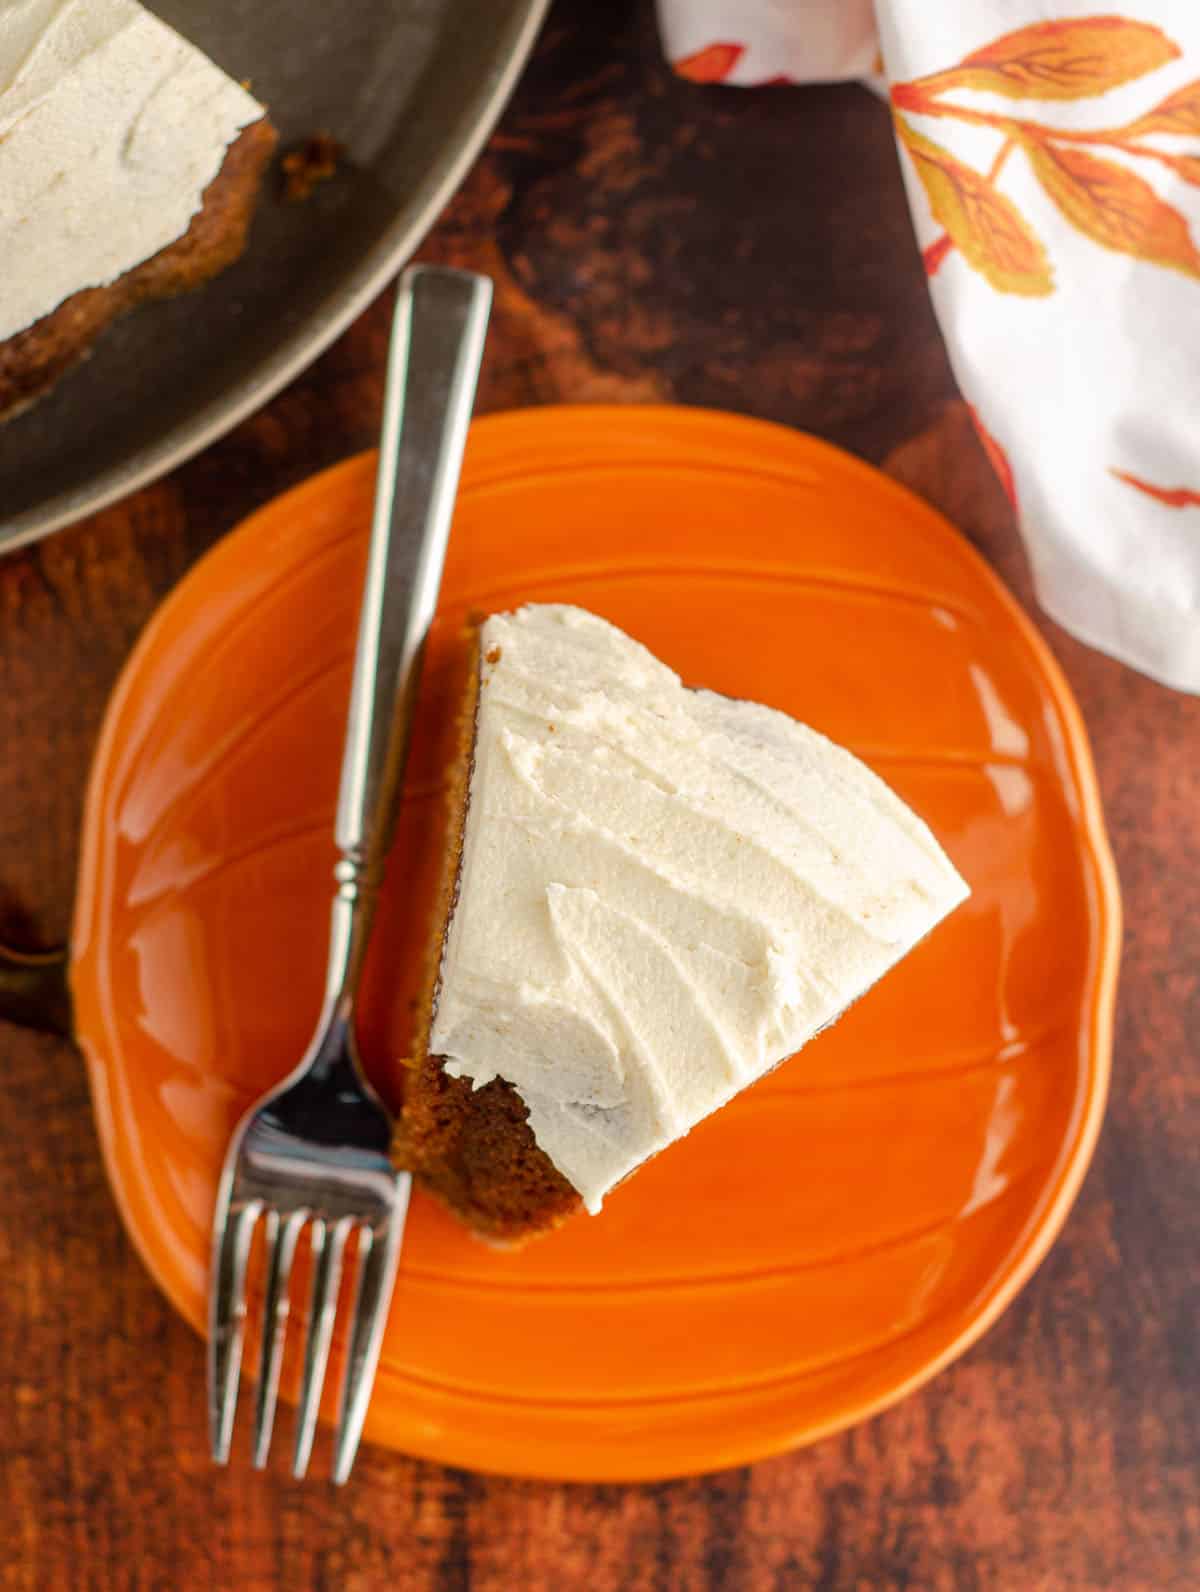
pixel 662 892
pixel 111 128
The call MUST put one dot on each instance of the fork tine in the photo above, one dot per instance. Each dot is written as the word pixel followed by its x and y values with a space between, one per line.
pixel 378 1255
pixel 328 1246
pixel 228 1324
pixel 280 1240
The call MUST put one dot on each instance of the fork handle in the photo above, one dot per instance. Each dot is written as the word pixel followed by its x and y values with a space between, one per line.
pixel 433 368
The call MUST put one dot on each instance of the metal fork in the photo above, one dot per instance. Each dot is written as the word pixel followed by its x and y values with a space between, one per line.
pixel 314 1151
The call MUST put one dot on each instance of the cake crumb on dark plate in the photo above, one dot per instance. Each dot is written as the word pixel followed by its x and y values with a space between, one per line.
pixel 313 161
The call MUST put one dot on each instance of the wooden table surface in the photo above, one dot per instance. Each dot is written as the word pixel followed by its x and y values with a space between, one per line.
pixel 650 240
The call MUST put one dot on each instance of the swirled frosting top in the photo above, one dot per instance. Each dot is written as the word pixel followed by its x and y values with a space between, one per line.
pixel 662 892
pixel 111 128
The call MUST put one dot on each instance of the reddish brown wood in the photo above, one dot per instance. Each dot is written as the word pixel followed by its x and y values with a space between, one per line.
pixel 650 239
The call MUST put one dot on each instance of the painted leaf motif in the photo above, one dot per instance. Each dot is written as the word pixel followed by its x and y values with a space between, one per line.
pixel 987 228
pixel 1175 497
pixel 1114 206
pixel 996 456
pixel 1062 60
pixel 1185 166
pixel 932 257
pixel 713 64
pixel 1178 113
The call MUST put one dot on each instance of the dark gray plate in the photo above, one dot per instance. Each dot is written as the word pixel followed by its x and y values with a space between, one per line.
pixel 411 88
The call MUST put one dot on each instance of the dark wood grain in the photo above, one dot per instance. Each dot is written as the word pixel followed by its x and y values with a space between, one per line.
pixel 650 240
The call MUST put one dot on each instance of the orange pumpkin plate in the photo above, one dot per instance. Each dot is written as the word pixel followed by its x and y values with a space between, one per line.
pixel 841 1230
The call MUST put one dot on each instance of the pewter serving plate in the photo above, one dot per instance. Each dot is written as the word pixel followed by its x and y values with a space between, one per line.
pixel 411 88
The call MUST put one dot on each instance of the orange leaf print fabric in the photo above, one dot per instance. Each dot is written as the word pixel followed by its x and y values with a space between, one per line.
pixel 996 456
pixel 1051 154
pixel 1173 497
pixel 712 64
pixel 1114 206
pixel 1062 60
pixel 1186 167
pixel 770 41
pixel 1178 113
pixel 981 222
pixel 1108 201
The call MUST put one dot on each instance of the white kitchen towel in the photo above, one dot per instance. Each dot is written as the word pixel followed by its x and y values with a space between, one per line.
pixel 1051 151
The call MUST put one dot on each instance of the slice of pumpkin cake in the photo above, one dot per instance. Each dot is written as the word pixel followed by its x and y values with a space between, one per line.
pixel 654 895
pixel 129 170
